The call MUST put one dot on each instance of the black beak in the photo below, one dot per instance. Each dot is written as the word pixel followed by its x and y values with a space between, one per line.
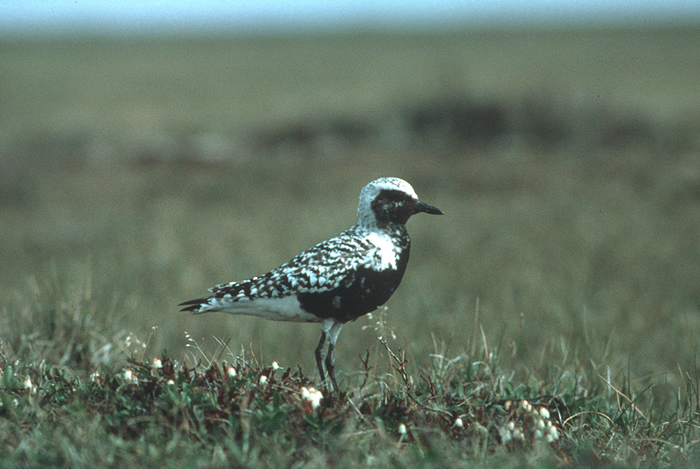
pixel 425 208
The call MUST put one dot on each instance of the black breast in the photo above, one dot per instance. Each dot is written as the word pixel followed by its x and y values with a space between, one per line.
pixel 363 291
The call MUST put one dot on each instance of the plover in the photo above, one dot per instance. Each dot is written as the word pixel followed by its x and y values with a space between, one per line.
pixel 335 281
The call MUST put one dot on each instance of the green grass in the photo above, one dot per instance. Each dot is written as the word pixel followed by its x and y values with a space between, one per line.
pixel 460 411
pixel 136 174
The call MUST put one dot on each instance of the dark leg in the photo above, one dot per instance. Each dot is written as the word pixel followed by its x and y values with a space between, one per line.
pixel 319 357
pixel 330 366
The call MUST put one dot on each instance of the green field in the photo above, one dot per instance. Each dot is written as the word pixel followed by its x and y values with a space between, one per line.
pixel 135 174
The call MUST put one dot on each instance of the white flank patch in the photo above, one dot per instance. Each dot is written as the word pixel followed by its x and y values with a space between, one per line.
pixel 385 247
pixel 276 309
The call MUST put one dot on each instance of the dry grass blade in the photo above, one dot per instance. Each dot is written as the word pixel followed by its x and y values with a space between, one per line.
pixel 625 397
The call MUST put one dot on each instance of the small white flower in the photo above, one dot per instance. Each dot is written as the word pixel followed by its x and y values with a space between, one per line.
pixel 157 363
pixel 231 372
pixel 130 377
pixel 508 405
pixel 459 423
pixel 511 426
pixel 506 435
pixel 171 382
pixel 402 429
pixel 275 366
pixel 539 424
pixel 263 380
pixel 94 377
pixel 552 434
pixel 544 412
pixel 312 395
pixel 29 385
pixel 538 434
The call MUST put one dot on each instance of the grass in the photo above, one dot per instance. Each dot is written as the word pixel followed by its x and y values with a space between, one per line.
pixel 564 273
pixel 459 411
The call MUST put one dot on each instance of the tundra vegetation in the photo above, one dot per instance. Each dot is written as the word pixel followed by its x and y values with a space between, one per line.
pixel 550 318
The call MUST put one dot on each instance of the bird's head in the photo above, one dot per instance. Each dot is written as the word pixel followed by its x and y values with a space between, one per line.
pixel 388 201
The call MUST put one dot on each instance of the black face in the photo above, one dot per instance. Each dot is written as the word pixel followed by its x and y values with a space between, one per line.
pixel 392 206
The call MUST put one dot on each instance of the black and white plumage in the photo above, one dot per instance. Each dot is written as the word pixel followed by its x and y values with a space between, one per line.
pixel 337 280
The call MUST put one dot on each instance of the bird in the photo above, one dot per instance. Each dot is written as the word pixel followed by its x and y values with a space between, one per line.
pixel 339 279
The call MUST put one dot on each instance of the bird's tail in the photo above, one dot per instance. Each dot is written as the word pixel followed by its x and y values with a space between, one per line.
pixel 199 305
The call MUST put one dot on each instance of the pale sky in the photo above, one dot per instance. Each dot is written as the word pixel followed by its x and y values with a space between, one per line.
pixel 41 17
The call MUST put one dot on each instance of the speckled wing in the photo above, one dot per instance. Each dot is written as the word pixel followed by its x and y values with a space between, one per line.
pixel 322 268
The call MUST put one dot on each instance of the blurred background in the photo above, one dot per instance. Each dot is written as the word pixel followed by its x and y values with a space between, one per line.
pixel 150 150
